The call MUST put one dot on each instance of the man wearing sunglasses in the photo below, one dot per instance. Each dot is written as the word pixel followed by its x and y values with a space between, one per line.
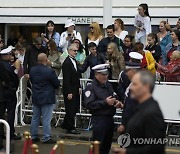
pixel 71 89
pixel 31 55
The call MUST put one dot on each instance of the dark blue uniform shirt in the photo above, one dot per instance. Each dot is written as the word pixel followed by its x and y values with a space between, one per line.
pixel 95 98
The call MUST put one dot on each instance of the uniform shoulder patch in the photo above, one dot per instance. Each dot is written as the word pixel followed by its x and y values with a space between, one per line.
pixel 87 93
pixel 88 83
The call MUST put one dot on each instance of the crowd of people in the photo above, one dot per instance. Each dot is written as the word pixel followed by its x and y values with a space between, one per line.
pixel 72 59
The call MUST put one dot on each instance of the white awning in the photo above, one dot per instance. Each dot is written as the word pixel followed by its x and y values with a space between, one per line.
pixel 35 15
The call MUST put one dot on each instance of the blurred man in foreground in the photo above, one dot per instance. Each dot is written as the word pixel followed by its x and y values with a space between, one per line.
pixel 147 122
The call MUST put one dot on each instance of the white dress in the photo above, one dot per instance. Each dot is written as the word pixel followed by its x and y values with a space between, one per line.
pixel 96 41
pixel 122 35
pixel 143 22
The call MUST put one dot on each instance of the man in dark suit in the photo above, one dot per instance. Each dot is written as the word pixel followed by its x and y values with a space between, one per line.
pixel 31 55
pixel 71 88
pixel 44 82
pixel 147 123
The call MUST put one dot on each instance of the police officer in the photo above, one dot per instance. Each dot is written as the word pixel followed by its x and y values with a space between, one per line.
pixel 9 87
pixel 124 83
pixel 4 78
pixel 101 100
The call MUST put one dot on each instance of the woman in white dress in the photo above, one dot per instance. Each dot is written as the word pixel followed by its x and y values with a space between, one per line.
pixel 119 29
pixel 142 24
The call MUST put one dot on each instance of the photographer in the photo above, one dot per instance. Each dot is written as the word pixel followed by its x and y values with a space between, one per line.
pixel 69 35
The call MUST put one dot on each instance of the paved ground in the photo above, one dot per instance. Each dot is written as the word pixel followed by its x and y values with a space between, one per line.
pixel 76 144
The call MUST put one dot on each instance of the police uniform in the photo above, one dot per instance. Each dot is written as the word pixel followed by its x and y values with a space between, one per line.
pixel 102 114
pixel 9 86
pixel 124 88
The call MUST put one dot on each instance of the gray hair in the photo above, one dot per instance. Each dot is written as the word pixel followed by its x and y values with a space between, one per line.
pixel 37 40
pixel 147 78
pixel 71 46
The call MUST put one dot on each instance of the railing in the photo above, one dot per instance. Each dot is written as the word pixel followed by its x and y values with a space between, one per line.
pixel 22 110
pixel 7 135
pixel 118 116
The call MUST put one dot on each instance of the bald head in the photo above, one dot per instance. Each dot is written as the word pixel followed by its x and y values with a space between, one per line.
pixel 42 58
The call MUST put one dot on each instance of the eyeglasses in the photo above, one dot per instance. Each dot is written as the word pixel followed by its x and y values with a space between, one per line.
pixel 91 27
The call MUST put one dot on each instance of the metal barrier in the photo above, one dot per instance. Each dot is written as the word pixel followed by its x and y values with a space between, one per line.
pixel 84 113
pixel 7 135
pixel 23 109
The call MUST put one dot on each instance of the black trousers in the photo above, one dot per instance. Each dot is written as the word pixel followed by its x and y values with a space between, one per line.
pixel 71 108
pixel 9 104
pixel 103 130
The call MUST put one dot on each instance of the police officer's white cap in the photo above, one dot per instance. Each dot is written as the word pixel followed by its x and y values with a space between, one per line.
pixel 69 23
pixel 135 55
pixel 101 68
pixel 11 47
pixel 7 50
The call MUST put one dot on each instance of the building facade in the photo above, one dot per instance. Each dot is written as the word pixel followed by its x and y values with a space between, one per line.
pixel 29 17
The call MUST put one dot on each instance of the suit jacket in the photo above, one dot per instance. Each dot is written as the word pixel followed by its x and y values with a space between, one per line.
pixel 44 82
pixel 147 123
pixel 71 78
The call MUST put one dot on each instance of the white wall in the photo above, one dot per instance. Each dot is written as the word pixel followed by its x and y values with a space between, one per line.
pixel 39 11
pixel 84 3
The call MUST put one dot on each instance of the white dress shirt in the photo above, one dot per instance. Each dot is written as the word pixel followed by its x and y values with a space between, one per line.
pixel 74 62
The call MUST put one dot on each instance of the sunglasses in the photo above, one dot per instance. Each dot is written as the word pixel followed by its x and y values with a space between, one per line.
pixel 74 50
pixel 91 27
